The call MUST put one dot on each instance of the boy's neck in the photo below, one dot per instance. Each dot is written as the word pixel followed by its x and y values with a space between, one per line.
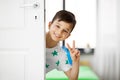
pixel 49 42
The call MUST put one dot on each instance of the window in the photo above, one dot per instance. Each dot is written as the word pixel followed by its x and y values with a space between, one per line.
pixel 85 30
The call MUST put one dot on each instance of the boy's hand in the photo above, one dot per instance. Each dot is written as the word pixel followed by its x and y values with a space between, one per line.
pixel 75 54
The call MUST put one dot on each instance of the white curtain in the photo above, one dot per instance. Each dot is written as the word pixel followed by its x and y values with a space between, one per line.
pixel 106 62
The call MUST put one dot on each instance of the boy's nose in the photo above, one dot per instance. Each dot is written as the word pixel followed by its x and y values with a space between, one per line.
pixel 59 32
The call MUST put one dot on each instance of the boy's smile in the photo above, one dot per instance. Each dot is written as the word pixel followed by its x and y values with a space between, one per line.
pixel 59 30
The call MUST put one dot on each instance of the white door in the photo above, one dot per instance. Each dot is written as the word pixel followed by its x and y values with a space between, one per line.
pixel 22 40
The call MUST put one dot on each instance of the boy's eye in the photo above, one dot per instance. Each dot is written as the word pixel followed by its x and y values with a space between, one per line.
pixel 65 31
pixel 57 26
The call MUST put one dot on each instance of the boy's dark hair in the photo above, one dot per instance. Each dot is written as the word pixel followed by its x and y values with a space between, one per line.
pixel 66 16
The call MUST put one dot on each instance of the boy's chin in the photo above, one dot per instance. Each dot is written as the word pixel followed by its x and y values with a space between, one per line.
pixel 57 40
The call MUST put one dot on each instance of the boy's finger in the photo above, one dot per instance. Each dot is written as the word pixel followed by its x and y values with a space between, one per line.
pixel 73 44
pixel 68 46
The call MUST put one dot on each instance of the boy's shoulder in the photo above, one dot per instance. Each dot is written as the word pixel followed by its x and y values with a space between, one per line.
pixel 57 48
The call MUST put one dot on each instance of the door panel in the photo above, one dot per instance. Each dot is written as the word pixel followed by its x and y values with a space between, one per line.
pixel 22 39
pixel 14 72
pixel 13 39
pixel 11 14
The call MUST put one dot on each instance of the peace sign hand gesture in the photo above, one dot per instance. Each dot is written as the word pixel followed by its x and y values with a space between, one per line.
pixel 75 54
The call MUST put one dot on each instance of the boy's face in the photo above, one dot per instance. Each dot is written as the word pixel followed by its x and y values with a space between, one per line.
pixel 59 30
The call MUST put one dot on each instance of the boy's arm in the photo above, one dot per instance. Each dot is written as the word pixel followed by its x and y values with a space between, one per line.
pixel 73 73
pixel 75 55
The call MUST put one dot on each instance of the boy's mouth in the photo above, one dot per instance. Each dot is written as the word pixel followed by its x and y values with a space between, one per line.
pixel 56 35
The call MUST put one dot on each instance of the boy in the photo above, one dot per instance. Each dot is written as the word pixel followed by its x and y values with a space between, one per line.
pixel 59 29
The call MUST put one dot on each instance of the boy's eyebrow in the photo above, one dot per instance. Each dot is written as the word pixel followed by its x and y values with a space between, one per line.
pixel 65 29
pixel 68 29
pixel 59 24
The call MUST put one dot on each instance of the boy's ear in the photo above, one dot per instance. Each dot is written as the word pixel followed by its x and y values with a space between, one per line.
pixel 49 24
